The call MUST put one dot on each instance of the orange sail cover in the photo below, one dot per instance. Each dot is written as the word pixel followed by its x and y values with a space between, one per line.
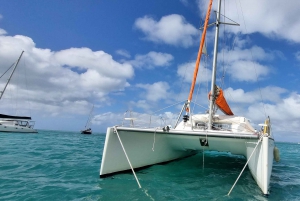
pixel 221 102
pixel 200 52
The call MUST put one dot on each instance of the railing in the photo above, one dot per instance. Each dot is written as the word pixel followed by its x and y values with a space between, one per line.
pixel 138 120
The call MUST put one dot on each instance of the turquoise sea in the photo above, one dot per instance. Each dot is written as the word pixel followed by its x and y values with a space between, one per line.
pixel 56 165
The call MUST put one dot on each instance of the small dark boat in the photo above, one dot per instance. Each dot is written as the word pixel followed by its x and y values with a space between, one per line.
pixel 87 131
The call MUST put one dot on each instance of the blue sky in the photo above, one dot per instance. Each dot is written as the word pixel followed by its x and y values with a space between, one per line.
pixel 140 55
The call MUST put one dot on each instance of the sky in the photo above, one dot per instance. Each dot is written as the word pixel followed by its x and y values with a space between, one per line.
pixel 137 57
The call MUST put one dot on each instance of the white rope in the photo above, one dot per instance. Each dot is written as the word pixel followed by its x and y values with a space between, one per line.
pixel 154 140
pixel 203 152
pixel 203 157
pixel 245 165
pixel 146 192
pixel 115 128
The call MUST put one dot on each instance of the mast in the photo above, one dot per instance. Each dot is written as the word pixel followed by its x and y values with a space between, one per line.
pixel 187 103
pixel 89 119
pixel 199 54
pixel 213 78
pixel 2 92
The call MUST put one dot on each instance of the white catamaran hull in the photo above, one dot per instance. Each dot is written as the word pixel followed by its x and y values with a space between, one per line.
pixel 146 147
pixel 261 162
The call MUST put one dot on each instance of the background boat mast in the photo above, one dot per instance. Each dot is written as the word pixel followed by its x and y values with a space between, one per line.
pixel 89 119
pixel 2 92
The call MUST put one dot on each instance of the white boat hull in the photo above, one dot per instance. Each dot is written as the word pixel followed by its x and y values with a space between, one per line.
pixel 261 163
pixel 146 147
pixel 139 148
pixel 16 129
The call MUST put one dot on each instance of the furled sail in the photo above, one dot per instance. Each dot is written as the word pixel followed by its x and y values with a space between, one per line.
pixel 221 101
pixel 202 50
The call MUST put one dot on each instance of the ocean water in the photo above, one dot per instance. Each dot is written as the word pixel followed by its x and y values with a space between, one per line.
pixel 55 165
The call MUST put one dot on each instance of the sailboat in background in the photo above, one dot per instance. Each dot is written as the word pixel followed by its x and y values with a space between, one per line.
pixel 87 129
pixel 15 124
pixel 129 147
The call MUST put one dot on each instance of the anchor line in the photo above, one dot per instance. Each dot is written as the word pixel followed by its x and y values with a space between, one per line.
pixel 154 140
pixel 245 165
pixel 115 129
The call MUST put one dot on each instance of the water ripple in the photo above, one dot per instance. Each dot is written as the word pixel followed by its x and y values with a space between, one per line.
pixel 55 165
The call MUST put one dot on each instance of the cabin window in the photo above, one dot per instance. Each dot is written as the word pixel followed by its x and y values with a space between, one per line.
pixel 221 126
pixel 23 123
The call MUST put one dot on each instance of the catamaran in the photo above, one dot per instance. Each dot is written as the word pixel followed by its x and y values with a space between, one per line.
pixel 131 148
pixel 15 124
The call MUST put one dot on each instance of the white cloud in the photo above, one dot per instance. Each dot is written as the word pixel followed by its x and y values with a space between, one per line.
pixel 141 120
pixel 171 30
pixel 186 71
pixel 108 118
pixel 240 96
pixel 247 71
pixel 59 81
pixel 284 115
pixel 270 93
pixel 244 64
pixel 152 60
pixel 99 61
pixel 241 63
pixel 142 104
pixel 184 2
pixel 297 55
pixel 123 53
pixel 156 91
pixel 273 18
pixel 2 32
pixel 241 53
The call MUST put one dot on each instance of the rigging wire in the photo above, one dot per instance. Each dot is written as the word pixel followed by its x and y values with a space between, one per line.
pixel 181 84
pixel 200 105
pixel 233 45
pixel 264 107
pixel 223 49
pixel 17 95
pixel 7 70
pixel 192 111
pixel 167 107
pixel 26 85
pixel 195 102
pixel 206 74
pixel 180 90
pixel 8 89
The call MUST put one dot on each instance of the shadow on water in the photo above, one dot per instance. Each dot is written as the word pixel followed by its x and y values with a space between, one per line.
pixel 208 178
pixel 195 177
